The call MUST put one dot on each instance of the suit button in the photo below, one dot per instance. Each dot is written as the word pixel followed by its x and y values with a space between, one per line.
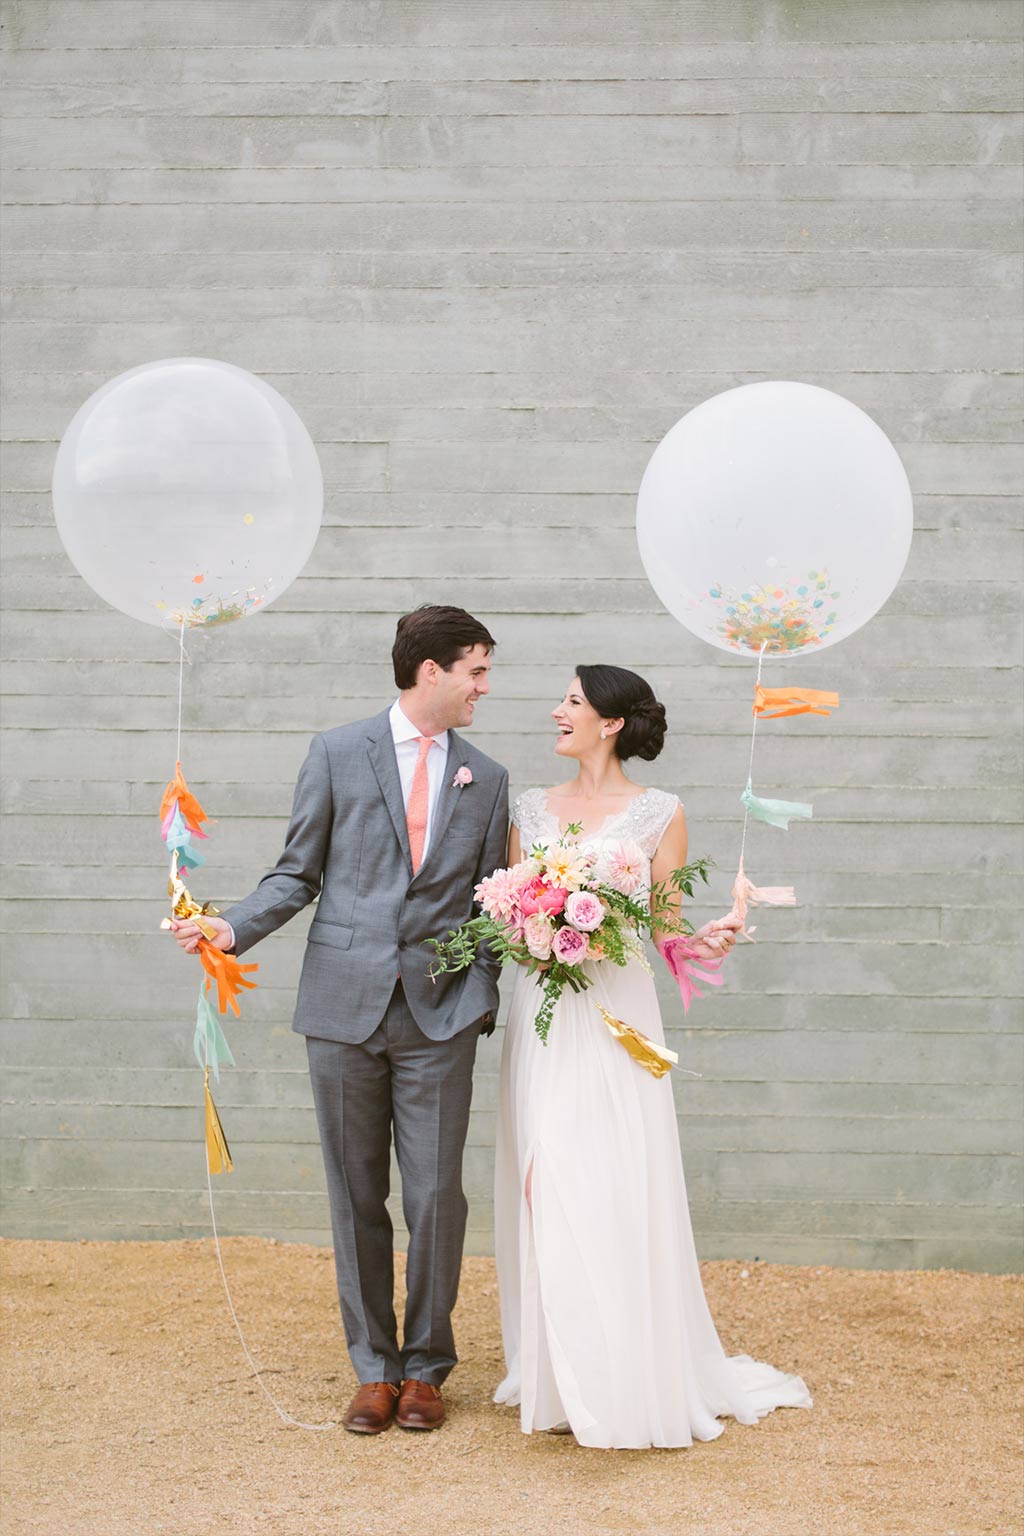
pixel 403 944
pixel 410 895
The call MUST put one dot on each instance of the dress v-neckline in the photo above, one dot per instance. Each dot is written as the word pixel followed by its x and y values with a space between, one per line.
pixel 599 831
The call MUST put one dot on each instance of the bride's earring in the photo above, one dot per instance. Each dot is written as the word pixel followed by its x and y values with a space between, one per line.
pixel 604 734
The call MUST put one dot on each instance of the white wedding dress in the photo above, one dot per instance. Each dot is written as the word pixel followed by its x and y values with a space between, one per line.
pixel 603 1314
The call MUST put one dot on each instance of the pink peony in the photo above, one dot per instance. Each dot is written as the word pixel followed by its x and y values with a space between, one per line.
pixel 625 865
pixel 538 897
pixel 538 934
pixel 584 911
pixel 570 946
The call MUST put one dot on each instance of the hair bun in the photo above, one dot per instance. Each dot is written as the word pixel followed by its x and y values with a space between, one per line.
pixel 643 734
pixel 614 692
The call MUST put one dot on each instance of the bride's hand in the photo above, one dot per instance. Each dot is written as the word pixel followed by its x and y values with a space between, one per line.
pixel 714 940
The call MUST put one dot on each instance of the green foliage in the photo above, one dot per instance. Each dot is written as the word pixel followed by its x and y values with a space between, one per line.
pixel 663 916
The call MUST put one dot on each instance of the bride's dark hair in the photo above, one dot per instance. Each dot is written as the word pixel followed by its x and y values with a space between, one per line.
pixel 615 692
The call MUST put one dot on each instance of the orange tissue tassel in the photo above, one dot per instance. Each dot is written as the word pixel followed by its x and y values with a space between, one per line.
pixel 229 976
pixel 178 790
pixel 773 703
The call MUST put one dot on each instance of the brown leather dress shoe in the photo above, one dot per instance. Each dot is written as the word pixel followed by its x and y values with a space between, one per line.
pixel 420 1406
pixel 372 1408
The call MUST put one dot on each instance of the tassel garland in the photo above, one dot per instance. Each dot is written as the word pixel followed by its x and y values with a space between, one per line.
pixel 190 808
pixel 774 703
pixel 229 976
pixel 181 824
pixel 745 893
pixel 688 967
pixel 218 1154
pixel 775 813
pixel 654 1058
pixel 209 1042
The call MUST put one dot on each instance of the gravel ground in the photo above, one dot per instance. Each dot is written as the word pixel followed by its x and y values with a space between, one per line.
pixel 130 1410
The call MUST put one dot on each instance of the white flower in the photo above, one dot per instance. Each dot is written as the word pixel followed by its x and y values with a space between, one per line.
pixel 538 932
pixel 566 866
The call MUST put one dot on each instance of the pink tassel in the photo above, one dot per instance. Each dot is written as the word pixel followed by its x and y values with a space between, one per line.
pixel 688 967
pixel 744 892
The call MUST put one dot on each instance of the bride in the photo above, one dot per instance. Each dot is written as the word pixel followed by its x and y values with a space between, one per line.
pixel 605 1325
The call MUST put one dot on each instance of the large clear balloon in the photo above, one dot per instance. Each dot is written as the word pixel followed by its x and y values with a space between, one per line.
pixel 188 491
pixel 775 515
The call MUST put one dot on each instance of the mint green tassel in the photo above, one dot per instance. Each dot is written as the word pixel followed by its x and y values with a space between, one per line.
pixel 209 1042
pixel 776 813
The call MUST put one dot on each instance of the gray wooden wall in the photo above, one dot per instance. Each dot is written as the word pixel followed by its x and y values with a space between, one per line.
pixel 491 253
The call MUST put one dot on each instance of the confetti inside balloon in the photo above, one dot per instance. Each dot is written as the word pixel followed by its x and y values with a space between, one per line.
pixel 776 516
pixel 188 492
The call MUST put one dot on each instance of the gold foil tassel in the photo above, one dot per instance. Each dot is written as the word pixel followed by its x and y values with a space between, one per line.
pixel 218 1156
pixel 656 1059
pixel 184 905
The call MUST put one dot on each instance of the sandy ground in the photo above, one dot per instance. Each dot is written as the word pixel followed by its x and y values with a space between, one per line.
pixel 129 1409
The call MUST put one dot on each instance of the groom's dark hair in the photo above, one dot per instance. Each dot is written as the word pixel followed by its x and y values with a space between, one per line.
pixel 434 633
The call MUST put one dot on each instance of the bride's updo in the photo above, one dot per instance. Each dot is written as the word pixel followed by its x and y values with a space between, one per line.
pixel 615 692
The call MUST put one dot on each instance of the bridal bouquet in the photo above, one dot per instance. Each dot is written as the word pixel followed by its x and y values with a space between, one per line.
pixel 564 904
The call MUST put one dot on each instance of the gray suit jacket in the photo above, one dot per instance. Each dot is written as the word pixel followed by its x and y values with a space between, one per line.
pixel 348 844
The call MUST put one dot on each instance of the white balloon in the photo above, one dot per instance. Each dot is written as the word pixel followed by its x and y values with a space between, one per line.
pixel 776 514
pixel 188 490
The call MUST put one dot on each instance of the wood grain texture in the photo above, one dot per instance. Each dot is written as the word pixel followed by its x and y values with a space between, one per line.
pixel 491 255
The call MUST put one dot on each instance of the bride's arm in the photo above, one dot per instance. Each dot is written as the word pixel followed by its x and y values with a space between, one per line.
pixel 714 938
pixel 670 854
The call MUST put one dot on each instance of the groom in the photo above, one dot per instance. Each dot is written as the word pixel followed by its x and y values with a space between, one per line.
pixel 395 820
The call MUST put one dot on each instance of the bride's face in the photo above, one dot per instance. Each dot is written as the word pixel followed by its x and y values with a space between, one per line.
pixel 578 722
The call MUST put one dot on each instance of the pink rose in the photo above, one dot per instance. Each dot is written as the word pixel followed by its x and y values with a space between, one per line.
pixel 462 777
pixel 538 934
pixel 538 897
pixel 570 946
pixel 584 911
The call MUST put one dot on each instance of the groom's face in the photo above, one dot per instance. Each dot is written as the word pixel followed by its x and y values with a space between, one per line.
pixel 465 681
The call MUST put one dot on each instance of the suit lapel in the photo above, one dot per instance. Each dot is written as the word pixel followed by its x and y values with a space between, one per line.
pixel 381 749
pixel 458 752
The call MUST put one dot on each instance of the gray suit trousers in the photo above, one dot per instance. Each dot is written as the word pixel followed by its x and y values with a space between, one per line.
pixel 421 1087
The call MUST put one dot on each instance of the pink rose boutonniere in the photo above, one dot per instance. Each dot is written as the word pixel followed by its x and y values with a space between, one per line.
pixel 463 777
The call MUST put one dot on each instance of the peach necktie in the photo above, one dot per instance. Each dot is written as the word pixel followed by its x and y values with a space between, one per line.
pixel 416 810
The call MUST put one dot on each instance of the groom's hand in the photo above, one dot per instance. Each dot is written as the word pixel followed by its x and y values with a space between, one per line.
pixel 187 935
pixel 716 938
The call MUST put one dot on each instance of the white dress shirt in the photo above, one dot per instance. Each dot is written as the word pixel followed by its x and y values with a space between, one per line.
pixel 405 734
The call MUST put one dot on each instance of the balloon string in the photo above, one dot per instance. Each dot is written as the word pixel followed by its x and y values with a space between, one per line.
pixel 750 764
pixel 281 1412
pixel 181 684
